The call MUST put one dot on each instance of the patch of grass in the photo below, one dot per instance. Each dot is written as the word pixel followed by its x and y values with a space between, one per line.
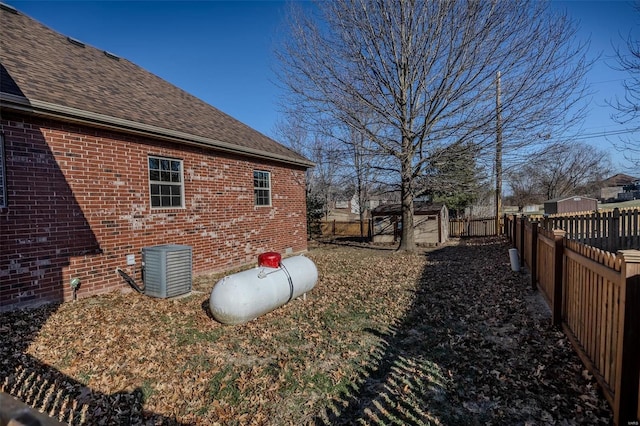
pixel 84 376
pixel 147 389
pixel 65 361
pixel 621 205
pixel 222 386
pixel 165 319
pixel 190 334
pixel 323 383
pixel 196 362
pixel 330 316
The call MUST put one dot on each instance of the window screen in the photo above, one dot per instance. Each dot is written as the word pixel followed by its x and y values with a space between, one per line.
pixel 262 188
pixel 165 182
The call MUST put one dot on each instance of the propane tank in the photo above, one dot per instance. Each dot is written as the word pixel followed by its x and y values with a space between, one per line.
pixel 244 296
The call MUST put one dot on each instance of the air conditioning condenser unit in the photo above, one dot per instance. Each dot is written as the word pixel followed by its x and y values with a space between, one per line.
pixel 167 270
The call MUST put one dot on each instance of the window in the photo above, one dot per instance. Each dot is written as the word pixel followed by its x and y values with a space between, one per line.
pixel 3 176
pixel 262 188
pixel 166 183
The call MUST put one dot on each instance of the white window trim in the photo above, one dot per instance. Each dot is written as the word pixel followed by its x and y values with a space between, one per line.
pixel 255 188
pixel 181 183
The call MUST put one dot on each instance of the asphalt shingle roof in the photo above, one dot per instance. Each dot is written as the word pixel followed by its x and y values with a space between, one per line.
pixel 619 179
pixel 47 69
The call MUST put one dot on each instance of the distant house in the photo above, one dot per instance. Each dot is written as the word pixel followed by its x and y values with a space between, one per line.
pixel 100 158
pixel 570 205
pixel 431 223
pixel 631 191
pixel 532 208
pixel 349 209
pixel 613 186
pixel 348 206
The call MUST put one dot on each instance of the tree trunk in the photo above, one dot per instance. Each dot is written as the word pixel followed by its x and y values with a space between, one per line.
pixel 407 240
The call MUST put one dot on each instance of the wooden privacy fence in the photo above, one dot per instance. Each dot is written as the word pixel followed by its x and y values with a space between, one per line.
pixel 607 230
pixel 548 274
pixel 457 228
pixel 473 227
pixel 514 230
pixel 600 317
pixel 594 296
pixel 336 228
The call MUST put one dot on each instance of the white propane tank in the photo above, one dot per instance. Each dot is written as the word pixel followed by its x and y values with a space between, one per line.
pixel 244 296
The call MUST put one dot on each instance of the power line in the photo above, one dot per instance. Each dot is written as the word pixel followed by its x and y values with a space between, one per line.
pixel 608 81
pixel 612 133
pixel 602 134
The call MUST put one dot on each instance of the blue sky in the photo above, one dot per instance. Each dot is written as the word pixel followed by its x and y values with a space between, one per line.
pixel 222 52
pixel 604 22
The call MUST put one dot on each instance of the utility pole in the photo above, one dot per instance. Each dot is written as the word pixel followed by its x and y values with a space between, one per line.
pixel 498 155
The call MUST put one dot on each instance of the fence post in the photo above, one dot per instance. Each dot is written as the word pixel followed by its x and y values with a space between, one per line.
pixel 522 248
pixel 625 408
pixel 504 226
pixel 558 269
pixel 615 230
pixel 534 255
pixel 545 223
pixel 395 229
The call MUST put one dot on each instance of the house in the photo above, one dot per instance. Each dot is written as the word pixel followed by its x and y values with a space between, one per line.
pixel 345 207
pixel 614 185
pixel 348 209
pixel 631 191
pixel 431 223
pixel 570 205
pixel 100 158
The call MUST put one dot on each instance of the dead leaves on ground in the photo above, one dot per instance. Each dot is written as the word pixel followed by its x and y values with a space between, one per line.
pixel 446 338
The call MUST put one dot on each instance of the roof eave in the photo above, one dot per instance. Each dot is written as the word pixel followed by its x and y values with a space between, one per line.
pixel 61 112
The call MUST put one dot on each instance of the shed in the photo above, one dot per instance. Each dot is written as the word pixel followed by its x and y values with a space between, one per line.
pixel 570 205
pixel 100 158
pixel 431 223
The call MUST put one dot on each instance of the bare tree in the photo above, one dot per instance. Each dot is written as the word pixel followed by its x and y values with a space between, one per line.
pixel 361 172
pixel 321 180
pixel 571 169
pixel 524 188
pixel 360 165
pixel 628 109
pixel 416 76
pixel 563 170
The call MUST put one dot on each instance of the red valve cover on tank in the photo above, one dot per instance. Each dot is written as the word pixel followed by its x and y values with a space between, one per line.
pixel 270 259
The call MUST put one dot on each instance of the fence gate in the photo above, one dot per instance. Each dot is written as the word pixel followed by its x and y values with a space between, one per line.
pixel 484 227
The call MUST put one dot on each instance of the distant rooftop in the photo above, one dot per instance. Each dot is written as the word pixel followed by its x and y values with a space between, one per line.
pixel 619 179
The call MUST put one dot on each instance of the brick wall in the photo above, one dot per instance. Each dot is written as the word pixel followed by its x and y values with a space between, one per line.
pixel 78 203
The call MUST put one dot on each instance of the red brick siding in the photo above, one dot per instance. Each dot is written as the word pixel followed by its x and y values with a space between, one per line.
pixel 78 203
